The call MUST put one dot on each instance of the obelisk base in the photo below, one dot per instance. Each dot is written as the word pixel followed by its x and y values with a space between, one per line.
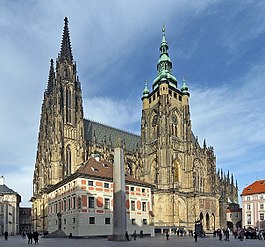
pixel 116 237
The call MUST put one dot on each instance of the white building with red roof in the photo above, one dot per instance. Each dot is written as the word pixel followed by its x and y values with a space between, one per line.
pixel 82 204
pixel 253 201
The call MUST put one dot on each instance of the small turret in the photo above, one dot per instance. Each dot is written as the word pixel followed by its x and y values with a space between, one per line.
pixel 51 77
pixel 146 91
pixel 184 87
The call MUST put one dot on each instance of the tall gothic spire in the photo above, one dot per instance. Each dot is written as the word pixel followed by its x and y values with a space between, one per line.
pixel 164 64
pixel 51 77
pixel 66 50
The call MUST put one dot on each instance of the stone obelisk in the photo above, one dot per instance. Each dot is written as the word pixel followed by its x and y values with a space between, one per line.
pixel 119 197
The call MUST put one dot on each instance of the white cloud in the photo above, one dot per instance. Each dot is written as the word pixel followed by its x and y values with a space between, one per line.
pixel 231 117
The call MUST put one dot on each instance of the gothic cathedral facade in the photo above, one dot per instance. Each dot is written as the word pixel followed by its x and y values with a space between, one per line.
pixel 186 186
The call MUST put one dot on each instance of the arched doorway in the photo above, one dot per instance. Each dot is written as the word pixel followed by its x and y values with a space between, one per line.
pixel 213 221
pixel 207 222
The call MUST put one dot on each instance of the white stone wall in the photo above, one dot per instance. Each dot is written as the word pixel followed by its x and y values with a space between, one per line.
pixel 75 219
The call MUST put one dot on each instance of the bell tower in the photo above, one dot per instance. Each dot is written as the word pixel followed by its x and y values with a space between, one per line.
pixel 165 124
pixel 165 136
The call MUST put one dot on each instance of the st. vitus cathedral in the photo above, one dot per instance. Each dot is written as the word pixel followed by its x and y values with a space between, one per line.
pixel 186 186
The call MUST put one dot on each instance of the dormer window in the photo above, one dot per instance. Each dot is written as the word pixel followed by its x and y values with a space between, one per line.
pixel 94 169
pixel 105 165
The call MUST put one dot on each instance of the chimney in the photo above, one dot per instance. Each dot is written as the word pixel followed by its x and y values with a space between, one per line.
pixel 2 180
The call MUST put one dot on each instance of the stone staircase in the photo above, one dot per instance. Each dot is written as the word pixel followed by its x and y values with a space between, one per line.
pixel 56 234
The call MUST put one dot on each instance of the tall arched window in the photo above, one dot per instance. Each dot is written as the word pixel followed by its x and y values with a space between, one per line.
pixel 68 159
pixel 68 106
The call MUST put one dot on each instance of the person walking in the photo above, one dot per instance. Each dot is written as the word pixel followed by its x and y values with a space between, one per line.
pixel 29 234
pixel 134 235
pixel 36 237
pixel 6 235
pixel 195 236
pixel 141 234
pixel 167 235
pixel 127 236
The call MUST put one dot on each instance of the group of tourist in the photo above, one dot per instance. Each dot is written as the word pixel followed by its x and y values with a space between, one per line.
pixel 134 235
pixel 31 236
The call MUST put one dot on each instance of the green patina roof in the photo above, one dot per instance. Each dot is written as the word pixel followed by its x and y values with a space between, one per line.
pixel 164 64
pixel 110 136
pixel 184 87
pixel 146 91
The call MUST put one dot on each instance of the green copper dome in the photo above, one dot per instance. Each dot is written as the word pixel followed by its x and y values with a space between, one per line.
pixel 146 91
pixel 184 87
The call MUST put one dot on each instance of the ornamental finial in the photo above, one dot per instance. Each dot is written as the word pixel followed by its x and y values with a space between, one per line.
pixel 163 29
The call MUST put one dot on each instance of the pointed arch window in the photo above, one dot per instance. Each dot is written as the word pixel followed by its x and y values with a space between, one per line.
pixel 174 125
pixel 68 105
pixel 68 160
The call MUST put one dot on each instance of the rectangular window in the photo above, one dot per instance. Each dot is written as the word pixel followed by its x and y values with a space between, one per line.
pixel 64 205
pixel 132 205
pixel 170 92
pixel 69 203
pixel 91 202
pixel 132 188
pixel 261 206
pixel 64 221
pixel 92 220
pixel 133 222
pixel 150 100
pixel 90 183
pixel 144 206
pixel 73 220
pixel 248 198
pixel 248 207
pixel 107 221
pixel 107 203
pixel 143 190
pixel 106 185
pixel 144 221
pixel 180 98
pixel 249 219
pixel 74 203
pixel 261 197
pixel 154 97
pixel 261 216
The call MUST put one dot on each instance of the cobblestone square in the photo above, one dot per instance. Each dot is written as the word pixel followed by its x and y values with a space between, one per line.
pixel 145 242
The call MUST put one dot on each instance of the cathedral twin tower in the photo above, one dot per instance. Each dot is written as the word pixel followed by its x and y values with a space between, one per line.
pixel 186 186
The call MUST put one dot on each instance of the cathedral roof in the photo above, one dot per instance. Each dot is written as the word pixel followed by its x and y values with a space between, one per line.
pixel 104 169
pixel 255 188
pixel 100 133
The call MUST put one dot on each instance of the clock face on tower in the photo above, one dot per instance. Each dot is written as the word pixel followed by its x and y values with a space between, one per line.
pixel 154 121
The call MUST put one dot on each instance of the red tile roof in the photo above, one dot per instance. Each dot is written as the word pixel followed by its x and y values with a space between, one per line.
pixel 104 169
pixel 255 188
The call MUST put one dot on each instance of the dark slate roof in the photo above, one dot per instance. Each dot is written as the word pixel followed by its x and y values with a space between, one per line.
pixel 5 190
pixel 110 135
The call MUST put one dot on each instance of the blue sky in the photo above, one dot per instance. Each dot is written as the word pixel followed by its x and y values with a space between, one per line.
pixel 218 46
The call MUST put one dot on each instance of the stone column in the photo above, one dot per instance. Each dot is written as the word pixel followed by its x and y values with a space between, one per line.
pixel 119 197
